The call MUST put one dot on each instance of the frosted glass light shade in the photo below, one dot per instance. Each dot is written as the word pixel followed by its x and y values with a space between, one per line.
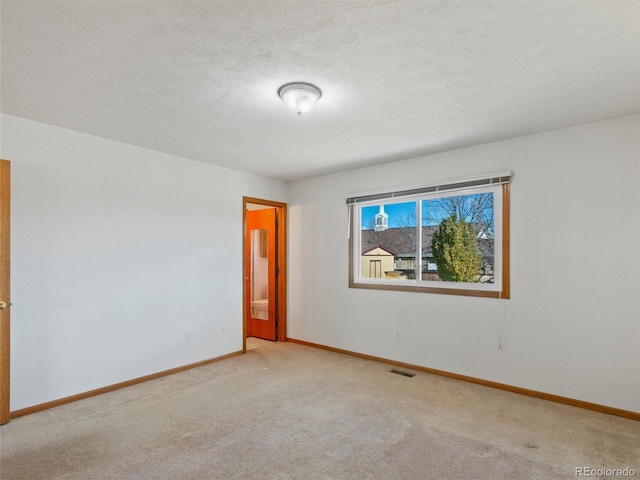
pixel 299 97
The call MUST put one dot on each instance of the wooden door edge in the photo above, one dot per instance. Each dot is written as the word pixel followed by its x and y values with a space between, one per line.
pixel 5 291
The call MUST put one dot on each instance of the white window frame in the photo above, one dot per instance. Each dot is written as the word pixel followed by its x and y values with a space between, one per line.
pixel 500 188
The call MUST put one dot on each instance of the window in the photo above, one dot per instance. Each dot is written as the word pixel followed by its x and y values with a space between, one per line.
pixel 451 238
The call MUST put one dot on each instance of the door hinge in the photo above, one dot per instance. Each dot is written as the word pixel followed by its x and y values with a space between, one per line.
pixel 277 271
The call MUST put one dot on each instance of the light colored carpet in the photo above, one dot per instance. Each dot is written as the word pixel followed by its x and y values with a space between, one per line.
pixel 286 411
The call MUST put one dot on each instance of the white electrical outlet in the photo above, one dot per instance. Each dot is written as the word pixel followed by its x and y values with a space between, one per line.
pixel 223 328
pixel 187 335
pixel 397 333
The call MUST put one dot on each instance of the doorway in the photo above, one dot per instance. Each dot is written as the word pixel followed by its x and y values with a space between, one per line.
pixel 264 270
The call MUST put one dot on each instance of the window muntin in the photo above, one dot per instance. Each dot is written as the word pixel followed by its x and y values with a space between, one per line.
pixel 413 265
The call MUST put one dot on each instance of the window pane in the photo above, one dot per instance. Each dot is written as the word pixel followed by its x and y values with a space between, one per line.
pixel 402 240
pixel 388 241
pixel 458 238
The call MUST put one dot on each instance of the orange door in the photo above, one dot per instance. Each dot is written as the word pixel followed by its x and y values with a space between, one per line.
pixel 5 301
pixel 261 273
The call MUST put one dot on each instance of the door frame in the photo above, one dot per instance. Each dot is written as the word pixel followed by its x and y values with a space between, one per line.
pixel 5 290
pixel 281 267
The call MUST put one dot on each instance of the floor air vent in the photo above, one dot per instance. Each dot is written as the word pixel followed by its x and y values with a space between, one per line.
pixel 403 373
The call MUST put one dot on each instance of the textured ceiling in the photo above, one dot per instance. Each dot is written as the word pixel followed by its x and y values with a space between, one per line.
pixel 399 78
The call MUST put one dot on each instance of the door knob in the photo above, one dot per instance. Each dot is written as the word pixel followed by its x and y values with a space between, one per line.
pixel 3 305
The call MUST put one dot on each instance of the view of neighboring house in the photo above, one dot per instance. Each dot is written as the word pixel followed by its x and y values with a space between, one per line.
pixel 377 262
pixel 401 243
pixel 391 253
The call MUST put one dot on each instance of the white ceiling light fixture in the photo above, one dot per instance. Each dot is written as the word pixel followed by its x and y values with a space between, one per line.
pixel 299 97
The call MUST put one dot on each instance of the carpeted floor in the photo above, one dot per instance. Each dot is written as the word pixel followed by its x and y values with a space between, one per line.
pixel 286 411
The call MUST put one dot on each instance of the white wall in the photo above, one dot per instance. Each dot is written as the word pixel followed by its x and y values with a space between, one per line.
pixel 116 252
pixel 572 326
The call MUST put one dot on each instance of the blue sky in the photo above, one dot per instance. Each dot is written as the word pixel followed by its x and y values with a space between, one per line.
pixel 404 214
pixel 397 213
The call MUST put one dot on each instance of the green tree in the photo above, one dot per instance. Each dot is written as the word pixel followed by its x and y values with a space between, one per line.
pixel 455 251
pixel 476 210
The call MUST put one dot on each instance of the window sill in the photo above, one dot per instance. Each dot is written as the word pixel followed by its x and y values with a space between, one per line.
pixel 415 287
